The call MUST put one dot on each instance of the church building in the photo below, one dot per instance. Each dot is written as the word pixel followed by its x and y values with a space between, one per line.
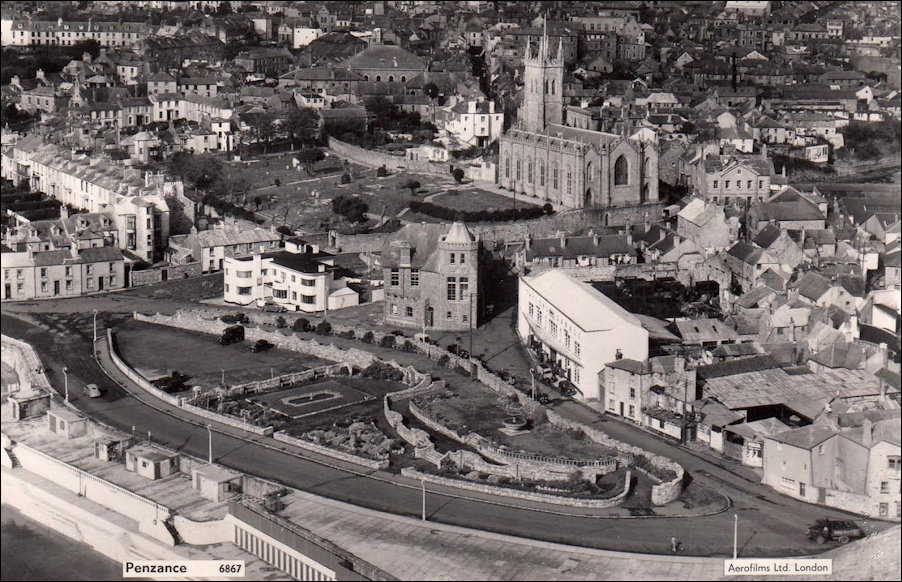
pixel 569 166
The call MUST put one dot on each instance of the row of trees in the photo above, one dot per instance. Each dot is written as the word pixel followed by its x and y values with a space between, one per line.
pixel 351 207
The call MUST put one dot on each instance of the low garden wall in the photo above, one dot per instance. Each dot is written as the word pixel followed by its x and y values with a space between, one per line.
pixel 226 419
pixel 520 494
pixel 153 275
pixel 330 452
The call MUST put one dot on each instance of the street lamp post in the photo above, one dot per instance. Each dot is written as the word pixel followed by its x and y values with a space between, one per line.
pixel 95 326
pixel 470 320
pixel 66 382
pixel 209 444
pixel 423 483
pixel 735 533
pixel 532 376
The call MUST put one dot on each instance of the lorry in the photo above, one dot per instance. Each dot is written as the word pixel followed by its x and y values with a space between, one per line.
pixel 834 530
pixel 232 334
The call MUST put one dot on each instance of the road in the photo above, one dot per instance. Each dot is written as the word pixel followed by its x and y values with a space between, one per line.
pixel 770 525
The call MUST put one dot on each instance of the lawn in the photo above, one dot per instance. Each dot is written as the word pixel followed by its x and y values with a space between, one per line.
pixel 476 199
pixel 156 350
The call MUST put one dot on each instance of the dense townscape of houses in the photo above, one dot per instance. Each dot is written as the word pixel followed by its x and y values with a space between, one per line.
pixel 716 285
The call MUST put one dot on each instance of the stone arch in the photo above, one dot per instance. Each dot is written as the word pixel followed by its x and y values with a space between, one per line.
pixel 621 171
pixel 587 198
pixel 403 78
pixel 378 78
pixel 391 78
pixel 643 195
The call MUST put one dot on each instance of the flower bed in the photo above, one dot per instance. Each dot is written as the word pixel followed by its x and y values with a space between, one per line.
pixel 361 438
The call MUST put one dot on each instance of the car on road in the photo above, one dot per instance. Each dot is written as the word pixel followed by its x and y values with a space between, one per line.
pixel 232 334
pixel 92 391
pixel 274 308
pixel 834 530
pixel 261 345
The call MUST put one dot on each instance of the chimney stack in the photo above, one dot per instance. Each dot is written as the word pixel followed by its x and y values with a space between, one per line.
pixel 406 254
pixel 867 432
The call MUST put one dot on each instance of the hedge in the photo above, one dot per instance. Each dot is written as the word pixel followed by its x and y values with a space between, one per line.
pixel 506 215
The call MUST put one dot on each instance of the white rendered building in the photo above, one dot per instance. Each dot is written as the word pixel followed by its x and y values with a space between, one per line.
pixel 577 327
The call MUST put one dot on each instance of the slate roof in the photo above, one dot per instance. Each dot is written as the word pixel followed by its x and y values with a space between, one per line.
pixel 576 246
pixel 767 236
pixel 842 355
pixel 786 211
pixel 813 285
pixel 386 57
pixel 701 330
pixel 806 437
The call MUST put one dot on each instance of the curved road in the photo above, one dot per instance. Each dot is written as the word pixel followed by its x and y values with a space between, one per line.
pixel 770 524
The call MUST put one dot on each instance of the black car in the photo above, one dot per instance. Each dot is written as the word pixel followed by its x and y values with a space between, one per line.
pixel 834 530
pixel 458 351
pixel 232 334
pixel 261 345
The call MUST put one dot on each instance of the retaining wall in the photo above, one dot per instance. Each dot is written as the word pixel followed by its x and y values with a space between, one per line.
pixel 229 420
pixel 518 494
pixel 137 378
pixel 25 361
pixel 330 452
pixel 661 493
pixel 202 533
pixel 149 514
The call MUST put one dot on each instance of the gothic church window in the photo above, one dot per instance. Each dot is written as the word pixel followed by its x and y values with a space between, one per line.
pixel 621 172
pixel 529 172
pixel 542 174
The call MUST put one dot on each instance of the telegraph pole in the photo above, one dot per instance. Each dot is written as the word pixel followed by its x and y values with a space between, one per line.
pixel 423 483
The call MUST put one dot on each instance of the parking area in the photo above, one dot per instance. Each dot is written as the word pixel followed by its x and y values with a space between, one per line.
pixel 156 350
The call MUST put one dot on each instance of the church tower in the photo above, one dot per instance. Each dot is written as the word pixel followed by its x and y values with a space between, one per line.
pixel 543 87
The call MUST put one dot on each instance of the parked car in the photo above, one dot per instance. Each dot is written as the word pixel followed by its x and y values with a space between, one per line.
pixel 261 345
pixel 232 334
pixel 834 530
pixel 274 308
pixel 92 391
pixel 563 386
pixel 397 332
pixel 542 398
pixel 544 372
pixel 458 351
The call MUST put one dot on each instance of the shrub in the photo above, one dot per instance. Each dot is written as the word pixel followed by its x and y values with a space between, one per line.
pixel 301 324
pixel 408 346
pixel 345 178
pixel 351 207
pixel 381 172
pixel 324 328
pixel 443 360
pixel 367 338
pixel 445 213
pixel 232 319
pixel 387 341
pixel 547 208
pixel 382 371
pixel 458 174
pixel 348 334
pixel 280 322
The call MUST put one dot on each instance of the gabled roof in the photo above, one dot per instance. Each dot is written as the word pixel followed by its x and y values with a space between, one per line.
pixel 813 285
pixel 842 355
pixel 806 437
pixel 767 236
pixel 799 210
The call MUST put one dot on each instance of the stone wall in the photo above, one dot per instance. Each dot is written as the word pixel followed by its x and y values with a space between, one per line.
pixel 154 275
pixel 661 493
pixel 137 378
pixel 330 452
pixel 25 361
pixel 226 419
pixel 519 494
pixel 392 163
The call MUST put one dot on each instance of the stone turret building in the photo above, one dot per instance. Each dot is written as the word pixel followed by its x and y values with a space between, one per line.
pixel 569 166
pixel 432 277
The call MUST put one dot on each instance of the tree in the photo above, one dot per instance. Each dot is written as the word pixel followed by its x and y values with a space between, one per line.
pixel 458 174
pixel 431 90
pixel 411 185
pixel 547 208
pixel 302 126
pixel 310 156
pixel 351 207
pixel 284 230
pixel 224 8
pixel 258 202
pixel 380 108
pixel 381 171
pixel 199 171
